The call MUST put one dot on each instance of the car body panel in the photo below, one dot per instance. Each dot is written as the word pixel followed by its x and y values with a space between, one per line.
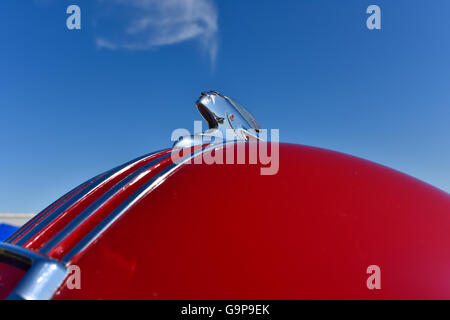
pixel 309 232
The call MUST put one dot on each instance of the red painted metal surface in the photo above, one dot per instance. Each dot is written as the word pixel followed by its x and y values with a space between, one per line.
pixel 10 275
pixel 308 232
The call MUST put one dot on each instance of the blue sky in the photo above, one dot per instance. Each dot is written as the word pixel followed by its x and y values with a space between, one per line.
pixel 74 103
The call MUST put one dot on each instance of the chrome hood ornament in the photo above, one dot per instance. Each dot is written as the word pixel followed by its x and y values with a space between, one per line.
pixel 227 120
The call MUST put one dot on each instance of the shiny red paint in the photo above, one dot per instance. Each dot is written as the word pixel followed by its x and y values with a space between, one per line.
pixel 308 232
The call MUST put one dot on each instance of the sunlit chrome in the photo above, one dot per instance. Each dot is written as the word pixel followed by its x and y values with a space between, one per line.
pixel 227 120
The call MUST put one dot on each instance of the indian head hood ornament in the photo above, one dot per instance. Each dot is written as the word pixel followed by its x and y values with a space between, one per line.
pixel 227 120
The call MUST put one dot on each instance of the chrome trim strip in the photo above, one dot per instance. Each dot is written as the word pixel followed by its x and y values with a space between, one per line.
pixel 41 280
pixel 102 178
pixel 135 197
pixel 72 225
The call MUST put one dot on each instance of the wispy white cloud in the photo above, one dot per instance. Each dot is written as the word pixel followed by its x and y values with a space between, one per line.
pixel 148 24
